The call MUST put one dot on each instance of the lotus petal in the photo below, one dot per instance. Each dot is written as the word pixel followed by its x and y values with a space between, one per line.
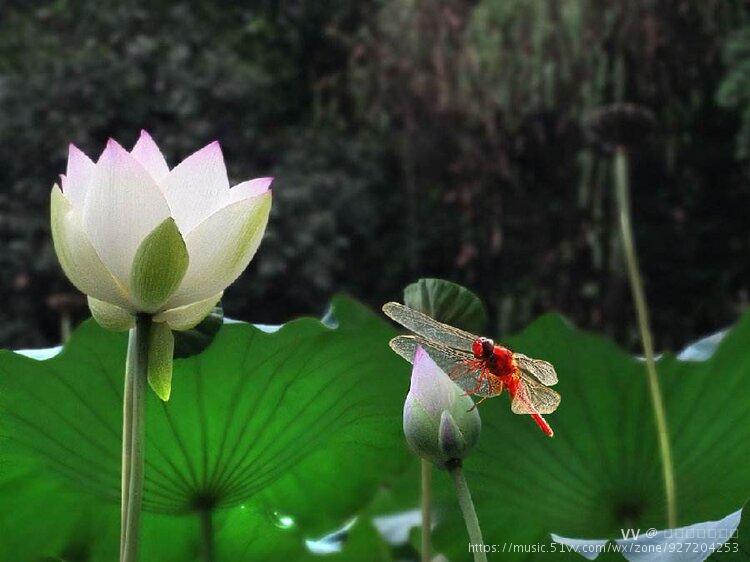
pixel 123 206
pixel 221 247
pixel 148 154
pixel 77 256
pixel 188 316
pixel 197 187
pixel 109 316
pixel 78 177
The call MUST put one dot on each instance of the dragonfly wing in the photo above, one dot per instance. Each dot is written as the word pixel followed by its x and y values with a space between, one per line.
pixel 475 380
pixel 405 346
pixel 445 357
pixel 534 398
pixel 542 371
pixel 459 365
pixel 428 327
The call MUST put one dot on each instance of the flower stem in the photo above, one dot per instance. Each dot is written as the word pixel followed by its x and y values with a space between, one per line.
pixel 136 372
pixel 207 534
pixel 622 187
pixel 66 326
pixel 127 407
pixel 426 509
pixel 476 543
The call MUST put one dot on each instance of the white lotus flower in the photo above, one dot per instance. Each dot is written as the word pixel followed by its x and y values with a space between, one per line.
pixel 137 237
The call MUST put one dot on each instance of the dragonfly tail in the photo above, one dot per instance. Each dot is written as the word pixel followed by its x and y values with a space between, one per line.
pixel 543 425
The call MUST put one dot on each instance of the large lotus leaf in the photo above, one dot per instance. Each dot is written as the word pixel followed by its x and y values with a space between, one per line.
pixel 193 341
pixel 601 472
pixel 278 436
pixel 447 302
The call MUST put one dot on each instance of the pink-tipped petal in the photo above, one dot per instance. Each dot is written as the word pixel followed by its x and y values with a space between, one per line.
pixel 123 208
pixel 78 257
pixel 430 385
pixel 197 187
pixel 148 154
pixel 221 247
pixel 247 189
pixel 78 177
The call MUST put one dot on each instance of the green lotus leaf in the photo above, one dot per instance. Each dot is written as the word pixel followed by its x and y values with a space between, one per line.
pixel 268 439
pixel 601 471
pixel 195 340
pixel 447 302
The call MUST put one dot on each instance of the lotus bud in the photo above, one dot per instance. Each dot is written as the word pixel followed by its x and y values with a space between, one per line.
pixel 441 423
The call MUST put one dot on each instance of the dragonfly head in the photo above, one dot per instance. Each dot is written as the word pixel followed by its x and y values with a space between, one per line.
pixel 482 348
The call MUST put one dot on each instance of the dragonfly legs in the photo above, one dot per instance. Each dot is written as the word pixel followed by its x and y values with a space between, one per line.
pixel 476 388
pixel 482 379
pixel 477 403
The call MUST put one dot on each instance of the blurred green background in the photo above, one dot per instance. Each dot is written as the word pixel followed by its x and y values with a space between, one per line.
pixel 409 138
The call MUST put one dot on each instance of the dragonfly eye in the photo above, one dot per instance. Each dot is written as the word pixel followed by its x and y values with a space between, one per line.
pixel 487 347
pixel 477 348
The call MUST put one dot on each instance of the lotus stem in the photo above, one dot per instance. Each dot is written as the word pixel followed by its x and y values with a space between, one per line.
pixel 426 510
pixel 133 441
pixel 622 188
pixel 66 326
pixel 207 535
pixel 476 544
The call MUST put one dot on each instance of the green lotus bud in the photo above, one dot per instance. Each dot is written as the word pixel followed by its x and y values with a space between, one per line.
pixel 440 421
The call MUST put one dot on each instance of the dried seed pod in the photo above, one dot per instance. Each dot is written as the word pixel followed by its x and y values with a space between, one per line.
pixel 619 125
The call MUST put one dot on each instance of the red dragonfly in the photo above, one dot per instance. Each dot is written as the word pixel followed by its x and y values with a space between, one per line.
pixel 479 365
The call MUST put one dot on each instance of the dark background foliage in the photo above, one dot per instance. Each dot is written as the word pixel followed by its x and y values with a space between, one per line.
pixel 409 138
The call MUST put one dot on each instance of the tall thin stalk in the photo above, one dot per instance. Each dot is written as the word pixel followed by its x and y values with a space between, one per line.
pixel 66 326
pixel 622 189
pixel 426 510
pixel 127 409
pixel 207 534
pixel 133 437
pixel 470 514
